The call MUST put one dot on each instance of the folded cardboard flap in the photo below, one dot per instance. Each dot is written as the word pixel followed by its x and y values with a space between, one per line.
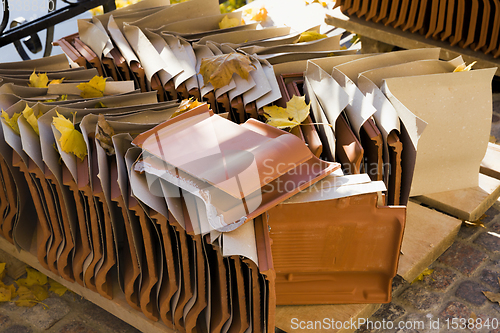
pixel 451 92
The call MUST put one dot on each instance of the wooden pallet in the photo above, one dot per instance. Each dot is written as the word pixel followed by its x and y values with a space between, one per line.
pixel 118 306
pixel 428 233
pixel 408 40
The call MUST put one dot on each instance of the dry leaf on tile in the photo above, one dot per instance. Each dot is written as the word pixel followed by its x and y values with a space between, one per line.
pixel 463 68
pixel 493 297
pixel 94 88
pixel 294 114
pixel 426 272
pixel 308 36
pixel 38 80
pixel 71 140
pixel 186 105
pixel 218 70
pixel 31 118
pixel 104 134
pixel 12 121
pixel 33 277
pixel 227 22
pixel 56 81
pixel 57 288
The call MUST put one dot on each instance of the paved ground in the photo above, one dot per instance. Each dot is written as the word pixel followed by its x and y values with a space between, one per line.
pixel 453 290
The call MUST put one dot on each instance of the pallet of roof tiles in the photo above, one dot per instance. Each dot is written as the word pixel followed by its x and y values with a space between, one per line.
pixel 170 51
pixel 475 41
pixel 471 25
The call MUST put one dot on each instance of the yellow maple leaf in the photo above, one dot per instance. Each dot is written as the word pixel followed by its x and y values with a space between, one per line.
pixel 218 70
pixel 308 36
pixel 186 105
pixel 33 277
pixel 31 296
pixel 296 112
pixel 7 293
pixel 94 88
pixel 2 270
pixel 31 118
pixel 426 272
pixel 227 22
pixel 57 288
pixel 71 140
pixel 12 121
pixel 38 80
pixel 56 81
pixel 463 68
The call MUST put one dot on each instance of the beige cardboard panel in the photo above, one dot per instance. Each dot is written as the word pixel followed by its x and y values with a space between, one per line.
pixel 193 37
pixel 117 101
pixel 142 191
pixel 12 138
pixel 73 74
pixel 24 225
pixel 369 83
pixel 30 140
pixel 148 56
pixel 139 6
pixel 325 131
pixel 386 116
pixel 275 92
pixel 241 242
pixel 324 44
pixel 66 195
pixel 172 197
pixel 359 109
pixel 202 51
pixel 109 44
pixel 353 68
pixel 262 86
pixel 185 10
pixel 56 62
pixel 332 98
pixel 125 16
pixel 134 16
pixel 121 42
pixel 185 56
pixel 299 66
pixel 455 140
pixel 20 91
pixel 97 39
pixel 172 67
pixel 149 117
pixel 199 24
pixel 245 36
pixel 419 67
pixel 279 58
pixel 111 88
pixel 122 142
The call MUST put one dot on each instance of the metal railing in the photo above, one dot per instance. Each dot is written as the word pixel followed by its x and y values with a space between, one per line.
pixel 27 32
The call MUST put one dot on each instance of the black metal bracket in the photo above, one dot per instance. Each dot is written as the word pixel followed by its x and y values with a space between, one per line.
pixel 49 20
